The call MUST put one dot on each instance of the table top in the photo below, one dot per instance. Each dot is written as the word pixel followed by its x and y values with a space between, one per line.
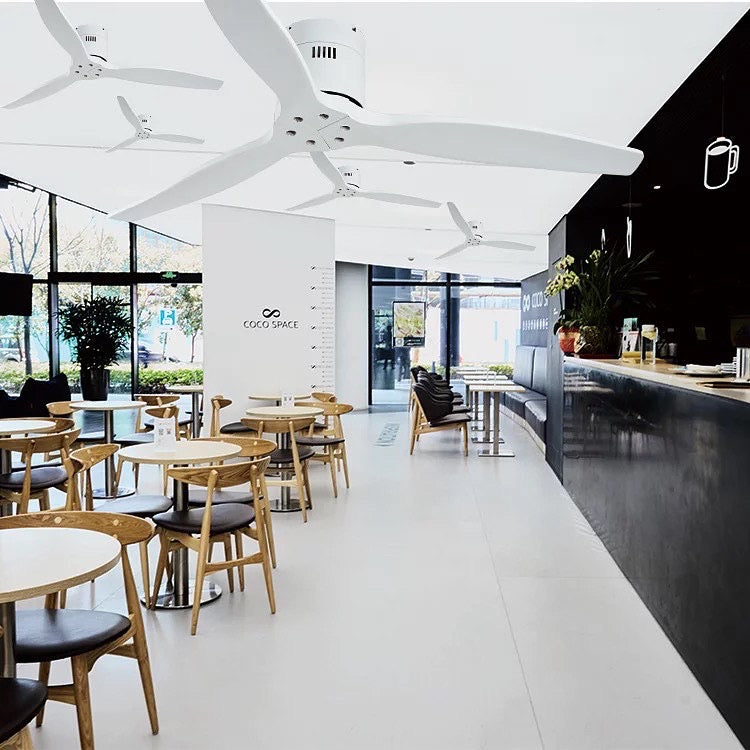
pixel 106 405
pixel 284 411
pixel 22 426
pixel 35 562
pixel 495 387
pixel 186 452
pixel 276 396
pixel 197 388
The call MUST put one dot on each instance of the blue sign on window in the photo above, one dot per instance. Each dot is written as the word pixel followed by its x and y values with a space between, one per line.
pixel 167 317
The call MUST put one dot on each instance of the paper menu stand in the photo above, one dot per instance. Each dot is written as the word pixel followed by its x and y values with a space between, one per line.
pixel 165 437
pixel 287 399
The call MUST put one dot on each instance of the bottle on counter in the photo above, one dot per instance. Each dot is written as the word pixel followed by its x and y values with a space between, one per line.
pixel 649 338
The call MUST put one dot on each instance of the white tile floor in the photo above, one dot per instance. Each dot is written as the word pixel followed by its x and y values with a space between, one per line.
pixel 441 603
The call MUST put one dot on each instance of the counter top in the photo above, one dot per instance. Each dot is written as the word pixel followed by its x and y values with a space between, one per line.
pixel 661 373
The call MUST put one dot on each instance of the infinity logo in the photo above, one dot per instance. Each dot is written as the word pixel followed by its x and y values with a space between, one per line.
pixel 270 313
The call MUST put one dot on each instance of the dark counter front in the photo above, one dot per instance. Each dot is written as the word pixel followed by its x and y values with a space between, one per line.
pixel 663 476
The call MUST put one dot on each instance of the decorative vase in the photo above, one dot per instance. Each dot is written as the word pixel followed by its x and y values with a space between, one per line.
pixel 596 342
pixel 567 338
pixel 94 384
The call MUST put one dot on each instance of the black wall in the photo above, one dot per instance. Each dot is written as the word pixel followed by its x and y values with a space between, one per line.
pixel 699 236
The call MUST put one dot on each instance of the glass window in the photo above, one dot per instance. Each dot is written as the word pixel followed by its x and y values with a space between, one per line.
pixel 120 374
pixel 24 344
pixel 170 335
pixel 386 273
pixel 88 241
pixel 24 231
pixel 391 377
pixel 157 252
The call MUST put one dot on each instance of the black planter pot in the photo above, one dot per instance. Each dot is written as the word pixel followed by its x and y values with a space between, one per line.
pixel 95 384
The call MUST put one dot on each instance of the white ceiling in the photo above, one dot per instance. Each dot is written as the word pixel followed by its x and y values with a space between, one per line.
pixel 596 69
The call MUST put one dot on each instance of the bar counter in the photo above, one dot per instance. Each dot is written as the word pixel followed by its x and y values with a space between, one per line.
pixel 660 467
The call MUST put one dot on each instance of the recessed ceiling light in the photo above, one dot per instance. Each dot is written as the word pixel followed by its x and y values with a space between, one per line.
pixel 428 229
pixel 657 187
pixel 410 162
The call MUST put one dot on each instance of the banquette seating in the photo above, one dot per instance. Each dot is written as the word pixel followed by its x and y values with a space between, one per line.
pixel 530 405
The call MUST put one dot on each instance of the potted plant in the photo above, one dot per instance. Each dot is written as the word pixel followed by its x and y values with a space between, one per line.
pixel 600 286
pixel 98 329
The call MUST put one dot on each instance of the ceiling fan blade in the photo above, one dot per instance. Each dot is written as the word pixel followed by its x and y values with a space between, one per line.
pixel 127 110
pixel 503 245
pixel 326 166
pixel 461 223
pixel 61 29
pixel 455 251
pixel 492 144
pixel 176 138
pixel 404 200
pixel 127 142
pixel 45 90
pixel 319 201
pixel 163 77
pixel 220 173
pixel 265 45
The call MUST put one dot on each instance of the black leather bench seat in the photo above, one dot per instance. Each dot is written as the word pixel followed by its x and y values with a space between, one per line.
pixel 535 413
pixel 517 401
pixel 20 702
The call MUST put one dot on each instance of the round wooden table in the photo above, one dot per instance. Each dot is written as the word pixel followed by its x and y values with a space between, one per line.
pixel 285 503
pixel 196 391
pixel 108 408
pixel 35 562
pixel 10 427
pixel 186 452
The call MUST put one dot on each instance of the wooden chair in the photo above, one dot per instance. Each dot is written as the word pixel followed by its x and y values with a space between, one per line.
pixel 52 634
pixel 140 506
pixel 199 529
pixel 252 448
pixel 291 461
pixel 151 400
pixel 218 403
pixel 138 438
pixel 35 482
pixel 331 441
pixel 62 410
pixel 20 702
pixel 424 422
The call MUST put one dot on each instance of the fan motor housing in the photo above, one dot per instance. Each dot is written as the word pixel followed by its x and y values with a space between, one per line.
pixel 351 176
pixel 145 131
pixel 95 40
pixel 334 54
pixel 477 227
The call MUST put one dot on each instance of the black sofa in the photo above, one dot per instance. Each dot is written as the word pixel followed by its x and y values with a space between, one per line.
pixel 34 396
pixel 530 371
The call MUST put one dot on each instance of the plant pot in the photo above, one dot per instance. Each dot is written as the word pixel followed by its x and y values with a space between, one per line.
pixel 94 384
pixel 596 342
pixel 567 338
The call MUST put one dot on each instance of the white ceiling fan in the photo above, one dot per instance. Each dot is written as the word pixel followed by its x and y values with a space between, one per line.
pixel 316 69
pixel 474 234
pixel 143 131
pixel 346 184
pixel 87 47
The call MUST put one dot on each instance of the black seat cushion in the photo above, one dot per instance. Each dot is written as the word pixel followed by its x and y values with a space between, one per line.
pixel 535 413
pixel 321 440
pixel 451 419
pixel 42 478
pixel 52 634
pixel 20 702
pixel 221 497
pixel 136 438
pixel 224 518
pixel 142 506
pixel 284 456
pixel 182 421
pixel 516 401
pixel 460 409
pixel 234 427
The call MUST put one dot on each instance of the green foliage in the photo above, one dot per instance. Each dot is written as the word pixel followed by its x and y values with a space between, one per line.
pixel 153 380
pixel 504 369
pixel 98 329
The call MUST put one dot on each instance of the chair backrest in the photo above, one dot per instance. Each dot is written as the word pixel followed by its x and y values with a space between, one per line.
pixel 166 412
pixel 218 403
pixel 323 396
pixel 250 447
pixel 157 399
pixel 218 476
pixel 63 424
pixel 59 409
pixel 42 443
pixel 278 425
pixel 431 409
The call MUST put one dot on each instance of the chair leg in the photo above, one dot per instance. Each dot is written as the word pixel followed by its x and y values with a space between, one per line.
pixel 44 500
pixel 238 545
pixel 200 574
pixel 266 568
pixel 306 479
pixel 160 566
pixel 228 557
pixel 165 480
pixel 332 464
pixel 465 429
pixel 118 472
pixel 268 526
pixel 144 667
pixel 346 464
pixel 80 668
pixel 302 496
pixel 143 548
pixel 44 678
pixel 413 438
pixel 136 474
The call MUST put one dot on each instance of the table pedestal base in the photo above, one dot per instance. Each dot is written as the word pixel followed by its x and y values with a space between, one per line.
pixel 101 493
pixel 168 599
pixel 490 453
